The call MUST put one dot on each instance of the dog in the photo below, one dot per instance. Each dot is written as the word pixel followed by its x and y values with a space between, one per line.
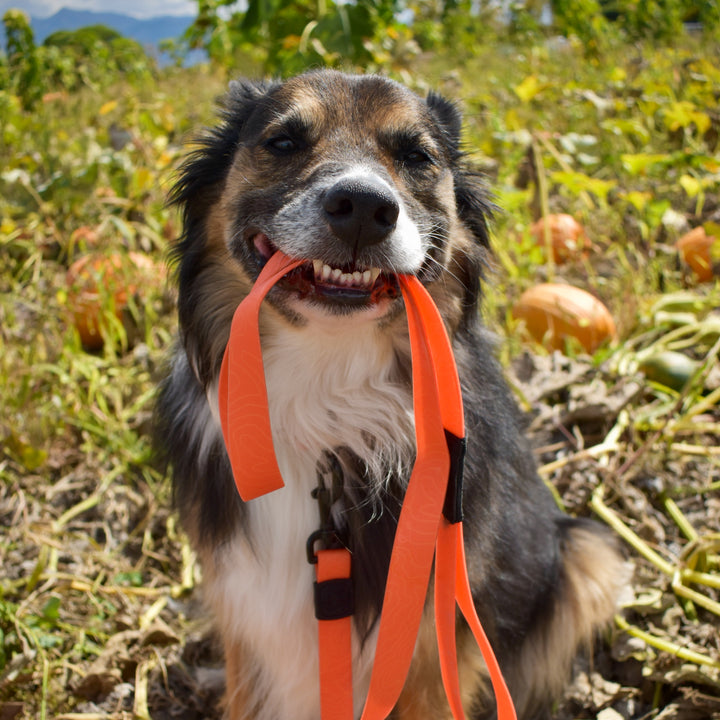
pixel 363 180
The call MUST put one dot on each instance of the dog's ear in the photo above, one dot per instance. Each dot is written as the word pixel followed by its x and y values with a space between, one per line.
pixel 207 166
pixel 448 117
pixel 243 95
pixel 473 203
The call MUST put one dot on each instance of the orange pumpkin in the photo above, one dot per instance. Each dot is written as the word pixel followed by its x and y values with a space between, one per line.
pixel 696 249
pixel 99 281
pixel 554 312
pixel 567 236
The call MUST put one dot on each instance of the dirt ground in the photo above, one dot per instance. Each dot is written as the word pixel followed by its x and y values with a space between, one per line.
pixel 107 566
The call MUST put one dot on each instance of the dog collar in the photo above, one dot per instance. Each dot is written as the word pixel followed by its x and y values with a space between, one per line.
pixel 429 527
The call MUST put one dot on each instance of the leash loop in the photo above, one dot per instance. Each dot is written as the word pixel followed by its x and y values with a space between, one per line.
pixel 246 420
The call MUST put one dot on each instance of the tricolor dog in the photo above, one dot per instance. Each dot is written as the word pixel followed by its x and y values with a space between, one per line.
pixel 364 181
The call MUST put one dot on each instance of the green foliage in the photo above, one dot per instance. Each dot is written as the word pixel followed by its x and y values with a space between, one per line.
pixel 460 24
pixel 85 40
pixel 582 18
pixel 524 20
pixel 23 64
pixel 657 19
pixel 282 37
pixel 93 56
pixel 661 19
pixel 285 37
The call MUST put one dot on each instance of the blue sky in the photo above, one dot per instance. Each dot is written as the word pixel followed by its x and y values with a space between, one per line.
pixel 137 8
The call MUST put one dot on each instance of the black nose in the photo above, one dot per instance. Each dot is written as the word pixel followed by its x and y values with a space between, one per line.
pixel 361 212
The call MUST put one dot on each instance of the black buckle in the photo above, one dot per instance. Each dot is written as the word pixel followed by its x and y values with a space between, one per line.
pixel 334 599
pixel 452 508
pixel 330 540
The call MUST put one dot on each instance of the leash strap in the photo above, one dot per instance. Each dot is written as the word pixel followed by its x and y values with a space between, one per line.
pixel 427 330
pixel 422 533
pixel 503 699
pixel 242 394
pixel 334 609
pixel 413 550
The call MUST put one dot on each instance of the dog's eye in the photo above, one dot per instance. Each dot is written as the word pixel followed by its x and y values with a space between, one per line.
pixel 282 145
pixel 415 157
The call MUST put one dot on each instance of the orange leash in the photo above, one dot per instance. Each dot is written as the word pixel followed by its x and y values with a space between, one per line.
pixel 422 533
pixel 242 394
pixel 451 580
pixel 414 547
pixel 333 609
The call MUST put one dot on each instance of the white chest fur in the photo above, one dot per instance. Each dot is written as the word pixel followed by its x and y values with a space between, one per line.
pixel 328 386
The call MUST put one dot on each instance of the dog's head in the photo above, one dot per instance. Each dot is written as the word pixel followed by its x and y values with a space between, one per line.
pixel 356 175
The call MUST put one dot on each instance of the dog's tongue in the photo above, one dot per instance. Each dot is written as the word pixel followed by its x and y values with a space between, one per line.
pixel 242 395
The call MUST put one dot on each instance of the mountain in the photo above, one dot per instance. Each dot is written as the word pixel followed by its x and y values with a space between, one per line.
pixel 148 32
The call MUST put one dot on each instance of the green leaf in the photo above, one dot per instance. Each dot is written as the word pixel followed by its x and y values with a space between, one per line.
pixel 577 183
pixel 133 579
pixel 712 229
pixel 682 114
pixel 639 163
pixel 51 609
pixel 692 186
pixel 637 198
pixel 632 127
pixel 31 458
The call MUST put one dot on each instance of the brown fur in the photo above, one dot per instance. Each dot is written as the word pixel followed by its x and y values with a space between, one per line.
pixel 593 579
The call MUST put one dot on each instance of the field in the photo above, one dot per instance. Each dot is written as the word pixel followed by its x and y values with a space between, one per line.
pixel 100 611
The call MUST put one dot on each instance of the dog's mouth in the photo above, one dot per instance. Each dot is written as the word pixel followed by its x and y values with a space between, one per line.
pixel 348 284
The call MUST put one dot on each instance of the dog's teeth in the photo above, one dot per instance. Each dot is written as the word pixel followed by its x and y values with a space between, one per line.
pixel 358 278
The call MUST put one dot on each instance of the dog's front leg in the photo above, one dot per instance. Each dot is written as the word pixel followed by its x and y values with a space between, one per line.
pixel 238 683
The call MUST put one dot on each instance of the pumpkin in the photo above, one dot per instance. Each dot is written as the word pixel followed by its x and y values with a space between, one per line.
pixel 697 249
pixel 554 312
pixel 98 281
pixel 567 236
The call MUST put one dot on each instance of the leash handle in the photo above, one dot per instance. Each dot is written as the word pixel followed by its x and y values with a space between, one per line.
pixel 503 699
pixel 242 394
pixel 436 395
pixel 451 578
pixel 445 624
pixel 413 549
